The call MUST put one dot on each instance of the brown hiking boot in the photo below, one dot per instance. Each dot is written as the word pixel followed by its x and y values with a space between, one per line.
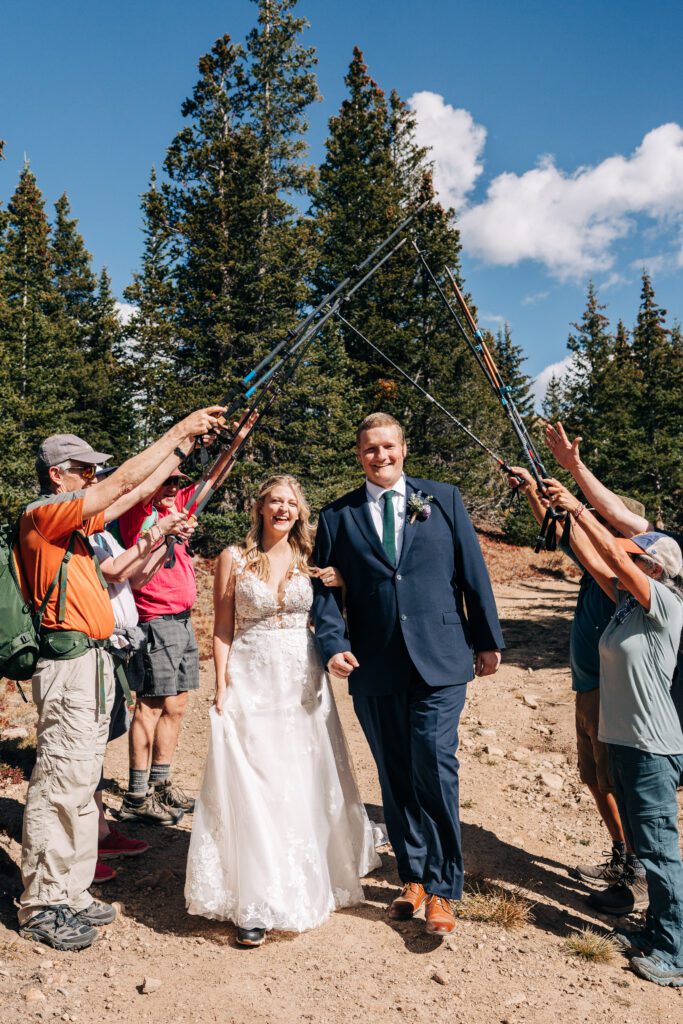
pixel 148 809
pixel 439 916
pixel 408 902
pixel 173 797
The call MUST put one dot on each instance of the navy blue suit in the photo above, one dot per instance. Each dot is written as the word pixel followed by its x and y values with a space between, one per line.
pixel 413 628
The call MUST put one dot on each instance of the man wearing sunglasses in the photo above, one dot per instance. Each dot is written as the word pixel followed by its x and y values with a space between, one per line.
pixel 73 683
pixel 170 664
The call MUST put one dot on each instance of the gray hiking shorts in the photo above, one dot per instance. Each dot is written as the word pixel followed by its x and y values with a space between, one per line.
pixel 170 658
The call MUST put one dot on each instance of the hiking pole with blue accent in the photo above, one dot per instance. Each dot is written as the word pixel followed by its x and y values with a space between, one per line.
pixel 284 369
pixel 234 400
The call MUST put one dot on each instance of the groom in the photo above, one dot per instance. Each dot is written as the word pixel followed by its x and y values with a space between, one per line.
pixel 421 620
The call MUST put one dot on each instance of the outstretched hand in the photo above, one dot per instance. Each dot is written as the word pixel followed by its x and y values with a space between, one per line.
pixel 559 496
pixel 564 451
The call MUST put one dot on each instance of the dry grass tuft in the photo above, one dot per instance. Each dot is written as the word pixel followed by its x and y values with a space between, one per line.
pixel 486 901
pixel 592 946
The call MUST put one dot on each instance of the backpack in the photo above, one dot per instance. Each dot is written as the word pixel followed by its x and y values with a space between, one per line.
pixel 19 621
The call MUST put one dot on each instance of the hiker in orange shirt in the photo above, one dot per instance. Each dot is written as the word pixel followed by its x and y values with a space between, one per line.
pixel 73 683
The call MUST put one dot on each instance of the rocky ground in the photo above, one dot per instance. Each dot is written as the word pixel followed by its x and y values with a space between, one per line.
pixel 525 819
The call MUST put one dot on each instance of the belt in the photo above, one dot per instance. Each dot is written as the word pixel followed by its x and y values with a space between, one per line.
pixel 180 616
pixel 66 644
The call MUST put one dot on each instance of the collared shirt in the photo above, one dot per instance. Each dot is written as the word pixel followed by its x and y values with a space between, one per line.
pixel 375 496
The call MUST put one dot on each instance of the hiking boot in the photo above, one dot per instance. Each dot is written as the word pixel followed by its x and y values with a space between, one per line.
pixel 115 844
pixel 610 870
pixel 60 928
pixel 652 967
pixel 103 873
pixel 173 797
pixel 630 943
pixel 97 914
pixel 623 897
pixel 148 809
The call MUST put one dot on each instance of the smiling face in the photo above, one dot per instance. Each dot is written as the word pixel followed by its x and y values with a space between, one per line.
pixel 166 495
pixel 279 510
pixel 381 452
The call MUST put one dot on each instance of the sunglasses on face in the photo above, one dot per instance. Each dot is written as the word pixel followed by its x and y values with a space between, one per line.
pixel 87 472
pixel 171 481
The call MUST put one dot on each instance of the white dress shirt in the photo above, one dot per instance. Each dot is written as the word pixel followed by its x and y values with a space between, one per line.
pixel 376 501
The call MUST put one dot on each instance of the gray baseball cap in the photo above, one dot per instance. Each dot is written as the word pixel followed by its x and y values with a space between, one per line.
pixel 62 447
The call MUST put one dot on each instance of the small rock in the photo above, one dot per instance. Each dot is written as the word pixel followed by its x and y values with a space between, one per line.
pixel 521 754
pixel 17 732
pixel 110 972
pixel 488 734
pixel 530 700
pixel 516 1000
pixel 119 907
pixel 150 985
pixel 33 995
pixel 552 781
pixel 494 751
pixel 439 978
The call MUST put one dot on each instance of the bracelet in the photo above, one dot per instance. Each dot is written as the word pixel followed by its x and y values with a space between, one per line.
pixel 578 511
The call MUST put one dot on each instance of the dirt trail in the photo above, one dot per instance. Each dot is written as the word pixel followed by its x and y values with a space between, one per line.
pixel 520 830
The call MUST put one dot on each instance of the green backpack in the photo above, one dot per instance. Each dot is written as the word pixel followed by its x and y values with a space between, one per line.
pixel 19 621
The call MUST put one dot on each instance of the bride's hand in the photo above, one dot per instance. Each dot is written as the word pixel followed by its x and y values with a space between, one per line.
pixel 219 697
pixel 329 576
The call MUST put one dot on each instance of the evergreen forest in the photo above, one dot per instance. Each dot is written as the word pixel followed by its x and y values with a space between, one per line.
pixel 242 236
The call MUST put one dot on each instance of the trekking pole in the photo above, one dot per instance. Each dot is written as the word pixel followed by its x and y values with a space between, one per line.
pixel 430 398
pixel 548 532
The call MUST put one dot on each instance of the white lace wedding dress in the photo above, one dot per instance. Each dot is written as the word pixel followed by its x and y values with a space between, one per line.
pixel 280 837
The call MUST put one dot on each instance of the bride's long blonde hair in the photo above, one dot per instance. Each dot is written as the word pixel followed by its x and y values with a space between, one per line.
pixel 300 536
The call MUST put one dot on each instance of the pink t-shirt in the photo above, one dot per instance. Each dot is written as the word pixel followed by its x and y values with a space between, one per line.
pixel 170 590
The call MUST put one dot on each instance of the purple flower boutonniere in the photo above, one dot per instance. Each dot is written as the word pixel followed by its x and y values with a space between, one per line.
pixel 419 507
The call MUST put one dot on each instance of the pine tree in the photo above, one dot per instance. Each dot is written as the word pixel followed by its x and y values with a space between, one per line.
pixel 509 358
pixel 373 173
pixel 36 357
pixel 151 333
pixel 73 277
pixel 658 361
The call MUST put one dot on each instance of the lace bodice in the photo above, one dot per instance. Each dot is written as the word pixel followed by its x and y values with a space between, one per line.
pixel 257 607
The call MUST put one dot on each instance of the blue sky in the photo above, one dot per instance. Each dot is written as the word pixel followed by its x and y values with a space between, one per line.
pixel 556 129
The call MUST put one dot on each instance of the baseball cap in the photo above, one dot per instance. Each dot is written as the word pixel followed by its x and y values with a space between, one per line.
pixel 62 447
pixel 661 549
pixel 177 473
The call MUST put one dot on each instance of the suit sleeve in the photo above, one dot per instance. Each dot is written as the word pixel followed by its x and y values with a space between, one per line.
pixel 331 636
pixel 473 580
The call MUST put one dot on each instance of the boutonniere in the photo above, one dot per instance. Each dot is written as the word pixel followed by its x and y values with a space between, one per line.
pixel 419 507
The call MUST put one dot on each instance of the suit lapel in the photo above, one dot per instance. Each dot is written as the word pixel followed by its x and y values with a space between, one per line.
pixel 409 530
pixel 360 510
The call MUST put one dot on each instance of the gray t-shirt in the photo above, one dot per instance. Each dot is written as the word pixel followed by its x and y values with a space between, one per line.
pixel 637 660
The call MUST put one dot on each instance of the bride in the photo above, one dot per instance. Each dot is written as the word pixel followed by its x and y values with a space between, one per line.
pixel 280 837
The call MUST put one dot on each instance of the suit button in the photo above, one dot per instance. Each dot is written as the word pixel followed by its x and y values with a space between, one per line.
pixel 404 617
pixel 398 576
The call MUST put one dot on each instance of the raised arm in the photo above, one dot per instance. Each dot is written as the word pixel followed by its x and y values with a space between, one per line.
pixel 116 494
pixel 608 504
pixel 604 558
pixel 223 623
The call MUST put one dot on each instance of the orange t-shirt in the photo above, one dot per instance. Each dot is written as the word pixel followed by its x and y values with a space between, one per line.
pixel 44 532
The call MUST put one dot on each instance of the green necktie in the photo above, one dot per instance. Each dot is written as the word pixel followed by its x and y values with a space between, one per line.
pixel 389 527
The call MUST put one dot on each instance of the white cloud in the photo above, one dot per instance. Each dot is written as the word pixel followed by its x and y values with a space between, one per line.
pixel 540 384
pixel 456 143
pixel 532 300
pixel 494 318
pixel 571 222
pixel 125 312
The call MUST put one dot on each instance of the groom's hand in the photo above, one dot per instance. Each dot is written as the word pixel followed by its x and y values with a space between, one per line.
pixel 486 663
pixel 342 664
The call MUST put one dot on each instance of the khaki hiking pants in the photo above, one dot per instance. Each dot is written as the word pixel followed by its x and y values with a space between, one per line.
pixel 59 842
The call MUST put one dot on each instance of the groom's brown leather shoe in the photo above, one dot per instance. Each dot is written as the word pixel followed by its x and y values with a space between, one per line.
pixel 408 903
pixel 439 916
